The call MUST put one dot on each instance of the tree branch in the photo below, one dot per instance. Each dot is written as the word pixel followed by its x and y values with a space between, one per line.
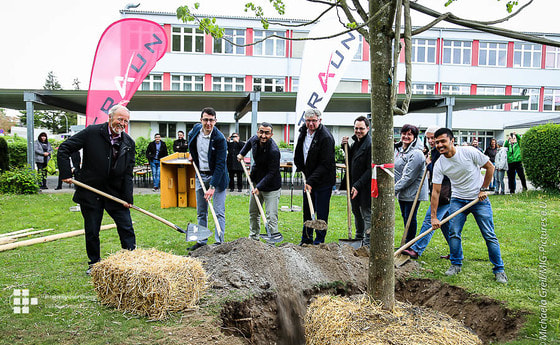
pixel 306 23
pixel 431 24
pixel 360 10
pixel 485 28
pixel 350 16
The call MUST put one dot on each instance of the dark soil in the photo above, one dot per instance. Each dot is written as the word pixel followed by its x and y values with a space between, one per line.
pixel 263 291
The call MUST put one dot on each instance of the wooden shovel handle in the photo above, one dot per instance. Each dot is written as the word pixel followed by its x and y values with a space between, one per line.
pixel 311 209
pixel 209 202
pixel 445 220
pixel 405 233
pixel 348 200
pixel 115 199
pixel 259 205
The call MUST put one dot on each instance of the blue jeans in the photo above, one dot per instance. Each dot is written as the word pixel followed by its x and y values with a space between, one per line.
pixel 482 212
pixel 406 208
pixel 499 177
pixel 219 203
pixel 442 212
pixel 493 180
pixel 321 200
pixel 155 172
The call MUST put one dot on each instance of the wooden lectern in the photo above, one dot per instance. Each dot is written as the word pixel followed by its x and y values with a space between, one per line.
pixel 177 181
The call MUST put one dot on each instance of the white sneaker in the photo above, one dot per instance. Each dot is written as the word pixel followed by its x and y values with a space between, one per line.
pixel 501 277
pixel 453 270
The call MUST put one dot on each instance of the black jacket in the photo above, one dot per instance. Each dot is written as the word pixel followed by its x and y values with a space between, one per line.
pixel 445 193
pixel 265 172
pixel 233 149
pixel 320 168
pixel 180 145
pixel 360 168
pixel 99 169
pixel 217 154
pixel 151 151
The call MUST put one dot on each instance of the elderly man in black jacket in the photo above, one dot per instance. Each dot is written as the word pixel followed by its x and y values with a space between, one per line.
pixel 359 158
pixel 265 174
pixel 314 156
pixel 108 161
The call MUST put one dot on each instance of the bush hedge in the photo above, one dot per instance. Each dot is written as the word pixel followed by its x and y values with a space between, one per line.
pixel 4 155
pixel 540 151
pixel 142 145
pixel 20 180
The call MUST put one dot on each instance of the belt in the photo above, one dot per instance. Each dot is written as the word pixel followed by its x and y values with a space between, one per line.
pixel 205 172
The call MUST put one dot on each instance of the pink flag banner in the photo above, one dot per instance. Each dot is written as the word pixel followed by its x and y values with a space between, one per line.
pixel 127 51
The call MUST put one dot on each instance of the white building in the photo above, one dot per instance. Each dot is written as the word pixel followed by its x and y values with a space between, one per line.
pixel 445 61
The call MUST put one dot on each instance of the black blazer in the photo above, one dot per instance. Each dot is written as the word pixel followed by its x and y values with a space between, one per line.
pixel 265 172
pixel 360 169
pixel 151 151
pixel 320 168
pixel 99 169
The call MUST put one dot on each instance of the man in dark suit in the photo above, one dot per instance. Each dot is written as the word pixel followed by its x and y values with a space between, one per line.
pixel 208 148
pixel 314 155
pixel 359 159
pixel 233 165
pixel 75 160
pixel 108 161
pixel 180 145
pixel 156 150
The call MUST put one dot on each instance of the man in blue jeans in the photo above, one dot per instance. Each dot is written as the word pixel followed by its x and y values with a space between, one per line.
pixel 208 149
pixel 155 151
pixel 462 166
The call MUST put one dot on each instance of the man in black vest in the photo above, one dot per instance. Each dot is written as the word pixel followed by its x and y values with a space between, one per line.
pixel 108 161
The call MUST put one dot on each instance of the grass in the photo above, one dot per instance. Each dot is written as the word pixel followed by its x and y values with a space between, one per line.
pixel 68 313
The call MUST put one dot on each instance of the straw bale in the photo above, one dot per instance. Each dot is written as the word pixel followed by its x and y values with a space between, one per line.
pixel 149 282
pixel 342 321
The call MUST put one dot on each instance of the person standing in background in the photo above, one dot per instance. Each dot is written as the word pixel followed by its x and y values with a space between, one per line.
pixel 491 151
pixel 43 151
pixel 501 165
pixel 155 151
pixel 515 164
pixel 180 145
pixel 234 167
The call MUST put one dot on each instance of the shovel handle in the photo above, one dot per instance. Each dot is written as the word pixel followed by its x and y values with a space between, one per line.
pixel 259 205
pixel 445 220
pixel 405 233
pixel 124 203
pixel 309 201
pixel 348 200
pixel 209 203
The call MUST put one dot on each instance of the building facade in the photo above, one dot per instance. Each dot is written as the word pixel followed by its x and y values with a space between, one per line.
pixel 446 61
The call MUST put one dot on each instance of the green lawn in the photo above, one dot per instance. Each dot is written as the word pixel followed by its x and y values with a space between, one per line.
pixel 68 313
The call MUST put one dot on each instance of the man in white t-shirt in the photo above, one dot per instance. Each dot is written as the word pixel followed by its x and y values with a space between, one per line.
pixel 462 166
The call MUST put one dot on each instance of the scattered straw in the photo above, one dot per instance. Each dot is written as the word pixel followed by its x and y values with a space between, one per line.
pixel 341 321
pixel 149 282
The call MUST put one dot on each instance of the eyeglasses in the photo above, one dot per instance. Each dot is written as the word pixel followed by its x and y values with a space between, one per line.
pixel 360 128
pixel 265 132
pixel 208 120
pixel 311 120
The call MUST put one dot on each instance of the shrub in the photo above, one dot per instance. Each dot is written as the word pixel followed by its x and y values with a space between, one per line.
pixel 141 146
pixel 540 148
pixel 17 149
pixel 4 155
pixel 21 180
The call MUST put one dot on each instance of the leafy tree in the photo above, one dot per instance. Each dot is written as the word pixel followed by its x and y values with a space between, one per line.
pixel 376 22
pixel 6 122
pixel 53 120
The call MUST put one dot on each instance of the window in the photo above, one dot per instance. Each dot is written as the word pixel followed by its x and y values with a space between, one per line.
pixel 295 84
pixel 187 83
pixel 452 89
pixel 228 84
pixel 551 100
pixel 467 136
pixel 423 51
pixel 271 47
pixel 189 40
pixel 492 90
pixel 527 55
pixel 167 130
pixel 237 36
pixel 268 84
pixel 531 104
pixel 457 52
pixel 492 54
pixel 423 89
pixel 153 82
pixel 552 57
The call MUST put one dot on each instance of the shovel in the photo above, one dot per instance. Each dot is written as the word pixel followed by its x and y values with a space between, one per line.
pixel 402 259
pixel 268 237
pixel 349 241
pixel 210 205
pixel 193 233
pixel 445 220
pixel 317 224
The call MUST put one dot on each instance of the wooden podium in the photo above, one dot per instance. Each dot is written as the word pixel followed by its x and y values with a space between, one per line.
pixel 177 181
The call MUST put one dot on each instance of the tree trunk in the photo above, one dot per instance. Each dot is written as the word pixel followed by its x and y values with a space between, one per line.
pixel 381 278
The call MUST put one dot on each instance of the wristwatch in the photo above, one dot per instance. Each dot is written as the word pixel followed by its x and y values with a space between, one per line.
pixel 482 189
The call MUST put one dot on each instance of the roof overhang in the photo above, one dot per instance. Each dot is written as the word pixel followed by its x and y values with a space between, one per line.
pixel 238 102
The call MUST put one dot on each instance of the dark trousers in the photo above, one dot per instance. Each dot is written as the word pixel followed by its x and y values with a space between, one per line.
pixel 92 222
pixel 406 209
pixel 239 175
pixel 321 200
pixel 42 171
pixel 513 168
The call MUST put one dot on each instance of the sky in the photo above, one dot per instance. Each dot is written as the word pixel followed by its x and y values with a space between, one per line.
pixel 61 35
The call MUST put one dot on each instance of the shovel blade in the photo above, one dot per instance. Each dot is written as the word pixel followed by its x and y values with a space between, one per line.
pixel 356 244
pixel 197 233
